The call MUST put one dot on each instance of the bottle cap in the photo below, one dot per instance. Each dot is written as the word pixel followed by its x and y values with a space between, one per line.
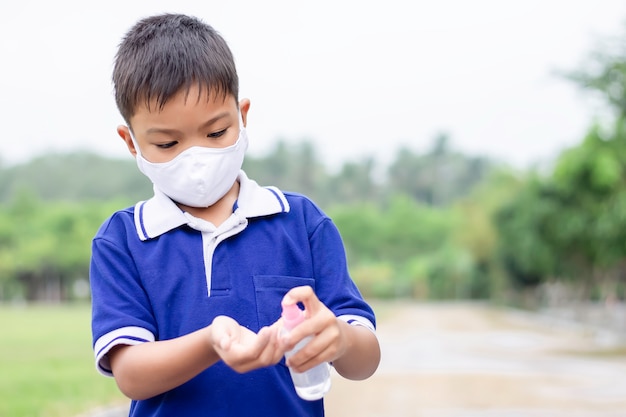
pixel 292 316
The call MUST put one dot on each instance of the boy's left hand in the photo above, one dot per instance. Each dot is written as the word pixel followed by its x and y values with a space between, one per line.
pixel 329 341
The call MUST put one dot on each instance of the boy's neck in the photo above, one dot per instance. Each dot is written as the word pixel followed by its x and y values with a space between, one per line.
pixel 218 212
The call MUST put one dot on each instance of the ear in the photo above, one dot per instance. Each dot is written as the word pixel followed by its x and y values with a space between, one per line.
pixel 244 106
pixel 124 133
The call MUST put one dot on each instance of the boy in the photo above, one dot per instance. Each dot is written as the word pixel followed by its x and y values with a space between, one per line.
pixel 187 287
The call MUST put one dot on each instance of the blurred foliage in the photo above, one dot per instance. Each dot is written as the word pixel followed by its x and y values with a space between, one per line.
pixel 75 176
pixel 603 73
pixel 45 247
pixel 52 206
pixel 571 225
pixel 433 225
pixel 438 177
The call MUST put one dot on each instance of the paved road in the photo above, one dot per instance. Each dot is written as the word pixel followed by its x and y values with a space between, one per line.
pixel 454 360
pixel 468 360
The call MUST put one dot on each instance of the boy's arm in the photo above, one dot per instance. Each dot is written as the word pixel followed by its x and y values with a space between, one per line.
pixel 148 369
pixel 362 353
pixel 353 349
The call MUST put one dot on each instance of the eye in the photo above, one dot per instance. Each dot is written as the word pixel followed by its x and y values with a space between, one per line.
pixel 166 145
pixel 216 134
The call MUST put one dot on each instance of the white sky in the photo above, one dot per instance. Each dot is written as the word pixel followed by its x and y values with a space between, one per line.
pixel 359 78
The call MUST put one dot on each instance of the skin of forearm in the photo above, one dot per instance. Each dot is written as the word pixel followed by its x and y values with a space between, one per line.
pixel 149 369
pixel 145 370
pixel 362 355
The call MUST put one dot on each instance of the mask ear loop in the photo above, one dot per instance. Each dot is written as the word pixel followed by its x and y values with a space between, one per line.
pixel 132 137
pixel 241 124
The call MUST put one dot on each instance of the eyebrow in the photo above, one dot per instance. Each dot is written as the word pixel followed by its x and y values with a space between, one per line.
pixel 214 119
pixel 167 131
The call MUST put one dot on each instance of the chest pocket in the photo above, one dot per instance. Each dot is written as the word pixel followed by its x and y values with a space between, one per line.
pixel 270 290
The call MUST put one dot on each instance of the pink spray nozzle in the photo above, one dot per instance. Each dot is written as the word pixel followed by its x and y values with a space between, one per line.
pixel 292 315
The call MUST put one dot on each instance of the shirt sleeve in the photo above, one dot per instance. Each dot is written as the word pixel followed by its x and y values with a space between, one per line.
pixel 358 321
pixel 334 285
pixel 120 307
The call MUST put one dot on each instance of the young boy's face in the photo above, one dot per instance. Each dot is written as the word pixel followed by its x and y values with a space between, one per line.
pixel 186 120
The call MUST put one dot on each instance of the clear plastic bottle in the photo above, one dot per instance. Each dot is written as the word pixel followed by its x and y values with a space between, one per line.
pixel 312 384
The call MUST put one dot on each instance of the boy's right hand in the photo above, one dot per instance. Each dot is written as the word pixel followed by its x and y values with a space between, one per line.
pixel 242 349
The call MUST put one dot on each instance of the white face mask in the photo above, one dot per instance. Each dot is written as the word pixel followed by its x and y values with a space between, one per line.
pixel 198 176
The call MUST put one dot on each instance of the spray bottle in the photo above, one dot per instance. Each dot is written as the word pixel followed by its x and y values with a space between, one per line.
pixel 312 384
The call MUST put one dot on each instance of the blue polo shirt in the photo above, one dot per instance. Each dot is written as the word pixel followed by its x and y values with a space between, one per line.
pixel 158 273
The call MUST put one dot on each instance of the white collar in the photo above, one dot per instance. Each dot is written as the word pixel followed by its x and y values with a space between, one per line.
pixel 160 214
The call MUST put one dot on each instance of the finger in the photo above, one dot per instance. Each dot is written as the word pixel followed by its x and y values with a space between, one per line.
pixel 263 337
pixel 324 347
pixel 271 352
pixel 225 342
pixel 307 297
pixel 249 345
pixel 303 294
pixel 224 330
pixel 303 361
pixel 317 323
pixel 254 351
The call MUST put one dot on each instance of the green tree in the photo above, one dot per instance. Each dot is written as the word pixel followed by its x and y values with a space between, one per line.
pixel 45 246
pixel 438 177
pixel 571 224
pixel 353 184
pixel 477 236
pixel 591 179
pixel 289 167
pixel 603 73
pixel 75 176
pixel 524 225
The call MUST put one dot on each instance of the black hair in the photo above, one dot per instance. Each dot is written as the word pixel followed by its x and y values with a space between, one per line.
pixel 164 54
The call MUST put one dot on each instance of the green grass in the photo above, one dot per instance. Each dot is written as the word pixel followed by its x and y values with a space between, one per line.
pixel 46 363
